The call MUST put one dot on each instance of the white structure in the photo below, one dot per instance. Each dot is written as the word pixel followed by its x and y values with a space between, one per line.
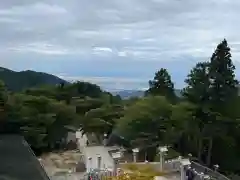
pixel 116 156
pixel 96 157
pixel 105 139
pixel 184 163
pixel 135 152
pixel 71 136
pixel 89 162
pixel 100 158
pixel 162 151
pixel 99 162
pixel 81 139
pixel 216 167
pixel 160 178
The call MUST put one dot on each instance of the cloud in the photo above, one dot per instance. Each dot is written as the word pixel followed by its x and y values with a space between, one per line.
pixel 105 49
pixel 33 9
pixel 8 20
pixel 120 38
pixel 102 51
pixel 110 83
pixel 41 48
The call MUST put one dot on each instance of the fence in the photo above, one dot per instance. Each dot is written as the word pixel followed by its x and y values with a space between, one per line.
pixel 214 174
pixel 99 175
pixel 199 170
pixel 172 165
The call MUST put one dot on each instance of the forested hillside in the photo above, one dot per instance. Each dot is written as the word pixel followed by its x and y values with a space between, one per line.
pixel 17 81
pixel 204 122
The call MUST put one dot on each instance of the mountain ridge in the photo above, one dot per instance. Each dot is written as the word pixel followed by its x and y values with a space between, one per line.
pixel 20 80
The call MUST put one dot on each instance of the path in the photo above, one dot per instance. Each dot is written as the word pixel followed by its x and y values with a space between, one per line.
pixel 93 151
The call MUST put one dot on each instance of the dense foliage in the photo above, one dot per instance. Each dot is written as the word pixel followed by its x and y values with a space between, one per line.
pixel 161 85
pixel 204 122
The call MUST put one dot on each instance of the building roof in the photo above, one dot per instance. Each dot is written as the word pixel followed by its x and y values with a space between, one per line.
pixel 18 162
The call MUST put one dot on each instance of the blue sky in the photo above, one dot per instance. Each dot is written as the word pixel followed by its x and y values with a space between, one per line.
pixel 118 44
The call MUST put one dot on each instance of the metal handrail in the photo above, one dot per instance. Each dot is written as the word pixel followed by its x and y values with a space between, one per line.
pixel 208 171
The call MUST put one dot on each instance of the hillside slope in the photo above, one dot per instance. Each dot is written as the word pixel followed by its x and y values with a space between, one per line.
pixel 17 81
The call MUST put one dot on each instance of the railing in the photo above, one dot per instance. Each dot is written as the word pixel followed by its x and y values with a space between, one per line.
pixel 200 168
pixel 97 174
pixel 172 165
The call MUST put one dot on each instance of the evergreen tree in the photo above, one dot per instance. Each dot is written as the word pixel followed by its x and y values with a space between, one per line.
pixel 197 84
pixel 223 91
pixel 197 92
pixel 224 86
pixel 212 87
pixel 161 85
pixel 3 100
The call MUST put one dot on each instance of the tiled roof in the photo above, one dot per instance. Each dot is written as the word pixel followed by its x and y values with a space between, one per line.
pixel 17 161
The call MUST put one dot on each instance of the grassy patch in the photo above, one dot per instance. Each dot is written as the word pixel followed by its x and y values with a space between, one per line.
pixel 142 169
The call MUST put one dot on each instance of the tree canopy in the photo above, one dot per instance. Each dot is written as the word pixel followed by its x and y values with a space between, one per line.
pixel 161 85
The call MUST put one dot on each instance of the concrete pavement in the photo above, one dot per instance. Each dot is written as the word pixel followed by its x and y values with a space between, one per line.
pixel 94 152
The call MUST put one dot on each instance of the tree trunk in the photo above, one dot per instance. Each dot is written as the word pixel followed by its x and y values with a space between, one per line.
pixel 200 149
pixel 209 154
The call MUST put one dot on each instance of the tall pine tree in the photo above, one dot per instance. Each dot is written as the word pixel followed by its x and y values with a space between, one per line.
pixel 3 99
pixel 212 87
pixel 3 107
pixel 198 84
pixel 223 90
pixel 197 92
pixel 224 86
pixel 161 85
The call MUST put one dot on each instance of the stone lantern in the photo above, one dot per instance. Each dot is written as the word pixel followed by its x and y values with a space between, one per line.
pixel 116 157
pixel 162 151
pixel 135 153
pixel 184 163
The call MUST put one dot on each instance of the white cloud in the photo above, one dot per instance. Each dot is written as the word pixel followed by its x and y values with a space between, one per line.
pixel 34 9
pixel 40 48
pixel 104 49
pixel 8 20
pixel 122 53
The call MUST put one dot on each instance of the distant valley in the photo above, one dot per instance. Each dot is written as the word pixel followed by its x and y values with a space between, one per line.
pixel 125 94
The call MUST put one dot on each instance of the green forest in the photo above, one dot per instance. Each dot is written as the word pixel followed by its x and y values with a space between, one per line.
pixel 204 121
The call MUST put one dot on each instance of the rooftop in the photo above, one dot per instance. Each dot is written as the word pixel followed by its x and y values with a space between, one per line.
pixel 18 161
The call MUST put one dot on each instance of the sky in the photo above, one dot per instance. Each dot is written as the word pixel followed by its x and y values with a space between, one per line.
pixel 118 44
